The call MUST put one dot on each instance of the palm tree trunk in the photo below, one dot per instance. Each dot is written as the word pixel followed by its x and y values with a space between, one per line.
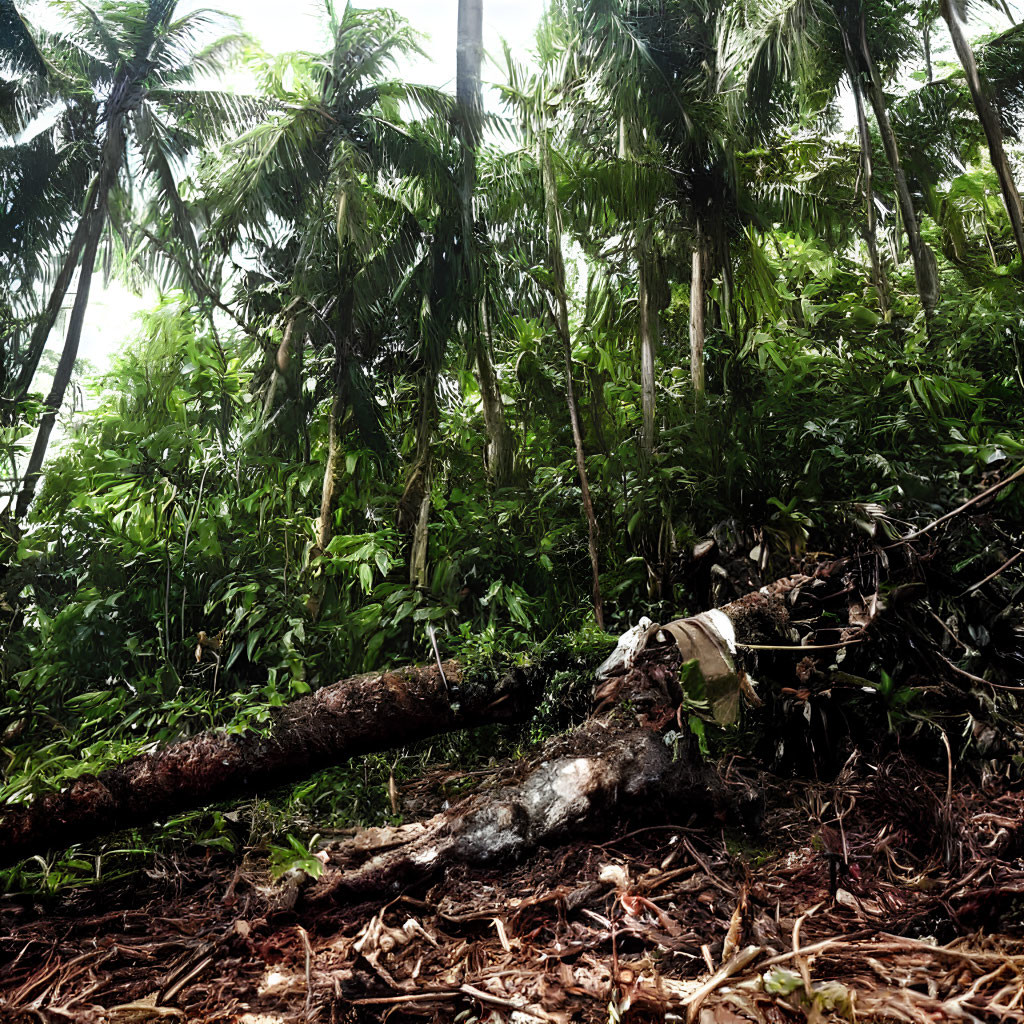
pixel 500 445
pixel 468 57
pixel 65 366
pixel 989 120
pixel 926 273
pixel 554 226
pixel 41 332
pixel 697 320
pixel 414 506
pixel 649 330
pixel 878 275
pixel 329 489
pixel 332 466
pixel 294 327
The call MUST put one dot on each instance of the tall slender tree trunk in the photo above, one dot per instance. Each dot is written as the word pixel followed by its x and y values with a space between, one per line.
pixel 500 445
pixel 65 366
pixel 926 274
pixel 41 331
pixel 332 465
pixel 414 506
pixel 468 58
pixel 952 13
pixel 649 332
pixel 554 225
pixel 88 233
pixel 295 323
pixel 332 468
pixel 697 289
pixel 878 274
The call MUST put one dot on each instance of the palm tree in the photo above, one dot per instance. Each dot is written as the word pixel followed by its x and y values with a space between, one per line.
pixel 334 142
pixel 17 43
pixel 953 13
pixel 815 45
pixel 44 176
pixel 139 64
pixel 654 66
pixel 536 98
pixel 469 108
pixel 617 70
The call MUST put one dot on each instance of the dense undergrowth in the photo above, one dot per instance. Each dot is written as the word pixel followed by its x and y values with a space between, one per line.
pixel 170 578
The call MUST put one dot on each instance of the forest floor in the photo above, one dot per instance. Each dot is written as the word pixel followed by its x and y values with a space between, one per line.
pixel 891 894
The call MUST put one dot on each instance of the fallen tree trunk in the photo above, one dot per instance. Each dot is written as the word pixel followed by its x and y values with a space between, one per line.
pixel 355 716
pixel 377 711
pixel 578 784
pixel 616 766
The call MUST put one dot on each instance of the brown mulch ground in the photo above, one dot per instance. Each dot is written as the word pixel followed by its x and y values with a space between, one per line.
pixel 889 895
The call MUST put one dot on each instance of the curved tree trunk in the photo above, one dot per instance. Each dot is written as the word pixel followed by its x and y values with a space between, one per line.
pixel 926 274
pixel 21 384
pixel 111 159
pixel 65 367
pixel 554 225
pixel 951 12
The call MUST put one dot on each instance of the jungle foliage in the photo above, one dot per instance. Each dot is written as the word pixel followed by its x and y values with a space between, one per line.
pixel 739 269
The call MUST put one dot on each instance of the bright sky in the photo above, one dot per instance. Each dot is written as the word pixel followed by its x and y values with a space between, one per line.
pixel 281 25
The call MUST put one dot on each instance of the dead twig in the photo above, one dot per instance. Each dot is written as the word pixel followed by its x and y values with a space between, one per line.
pixel 738 962
pixel 992 575
pixel 1015 475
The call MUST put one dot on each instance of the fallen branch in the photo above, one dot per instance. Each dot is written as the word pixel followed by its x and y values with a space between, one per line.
pixel 579 784
pixel 366 713
pixel 988 492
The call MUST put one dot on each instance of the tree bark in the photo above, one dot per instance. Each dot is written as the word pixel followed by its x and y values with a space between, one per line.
pixel 370 712
pixel 500 444
pixel 926 274
pixel 697 321
pixel 616 766
pixel 468 58
pixel 952 15
pixel 332 465
pixel 381 711
pixel 414 505
pixel 65 367
pixel 554 226
pixel 649 331
pixel 295 323
pixel 578 785
pixel 41 332
pixel 111 158
pixel 878 275
pixel 332 468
